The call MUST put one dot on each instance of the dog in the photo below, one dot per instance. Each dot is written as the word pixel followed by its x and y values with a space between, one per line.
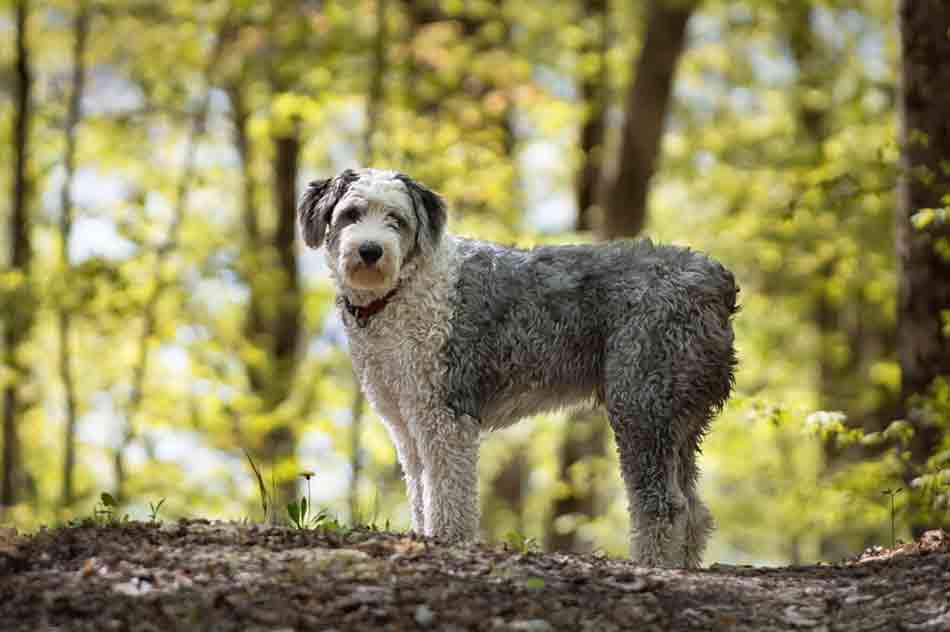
pixel 451 337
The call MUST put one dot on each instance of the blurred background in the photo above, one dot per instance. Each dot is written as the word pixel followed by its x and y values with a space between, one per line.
pixel 160 317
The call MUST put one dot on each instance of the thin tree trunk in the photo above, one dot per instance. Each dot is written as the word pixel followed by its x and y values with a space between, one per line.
pixel 594 92
pixel 923 273
pixel 585 442
pixel 73 119
pixel 624 197
pixel 280 442
pixel 140 369
pixel 281 326
pixel 287 327
pixel 19 321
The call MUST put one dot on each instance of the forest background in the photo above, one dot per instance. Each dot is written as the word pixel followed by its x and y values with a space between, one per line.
pixel 160 318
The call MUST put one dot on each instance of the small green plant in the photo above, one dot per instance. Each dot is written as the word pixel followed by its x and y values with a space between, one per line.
pixel 299 511
pixel 261 487
pixel 153 509
pixel 893 494
pixel 106 510
pixel 521 543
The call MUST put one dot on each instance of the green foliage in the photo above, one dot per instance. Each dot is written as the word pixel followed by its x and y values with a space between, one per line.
pixel 933 484
pixel 522 544
pixel 297 512
pixel 106 511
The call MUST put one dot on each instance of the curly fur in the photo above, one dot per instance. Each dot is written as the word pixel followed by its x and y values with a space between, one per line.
pixel 479 335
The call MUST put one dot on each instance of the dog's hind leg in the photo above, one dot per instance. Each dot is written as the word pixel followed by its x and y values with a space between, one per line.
pixel 642 411
pixel 658 507
pixel 448 446
pixel 699 521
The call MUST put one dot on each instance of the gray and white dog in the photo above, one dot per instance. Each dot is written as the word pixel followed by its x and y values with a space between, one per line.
pixel 451 337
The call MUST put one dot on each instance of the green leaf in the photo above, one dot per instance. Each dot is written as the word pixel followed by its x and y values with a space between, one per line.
pixel 108 500
pixel 293 510
pixel 261 487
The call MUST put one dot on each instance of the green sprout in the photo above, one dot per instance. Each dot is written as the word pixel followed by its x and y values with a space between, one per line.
pixel 153 509
pixel 893 494
pixel 106 511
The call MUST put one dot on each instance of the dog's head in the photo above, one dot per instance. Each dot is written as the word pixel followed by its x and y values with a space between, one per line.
pixel 373 223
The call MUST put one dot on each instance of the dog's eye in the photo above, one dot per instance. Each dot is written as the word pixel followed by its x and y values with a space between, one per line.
pixel 350 216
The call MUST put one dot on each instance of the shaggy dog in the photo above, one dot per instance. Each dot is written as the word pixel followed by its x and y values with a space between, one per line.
pixel 451 337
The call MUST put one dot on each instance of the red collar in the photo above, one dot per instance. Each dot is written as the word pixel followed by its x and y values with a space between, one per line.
pixel 362 313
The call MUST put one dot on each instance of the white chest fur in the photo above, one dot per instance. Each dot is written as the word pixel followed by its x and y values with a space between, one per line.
pixel 397 355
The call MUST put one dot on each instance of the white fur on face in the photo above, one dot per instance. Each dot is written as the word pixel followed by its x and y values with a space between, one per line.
pixel 374 200
pixel 359 275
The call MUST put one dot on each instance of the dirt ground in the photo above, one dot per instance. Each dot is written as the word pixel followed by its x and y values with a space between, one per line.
pixel 197 575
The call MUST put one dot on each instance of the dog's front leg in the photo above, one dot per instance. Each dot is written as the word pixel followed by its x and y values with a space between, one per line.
pixel 448 445
pixel 411 465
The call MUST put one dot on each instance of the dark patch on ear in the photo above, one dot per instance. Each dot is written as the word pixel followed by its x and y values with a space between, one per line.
pixel 428 206
pixel 316 205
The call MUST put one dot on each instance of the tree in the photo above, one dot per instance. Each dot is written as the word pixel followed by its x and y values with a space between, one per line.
pixel 18 321
pixel 594 93
pixel 73 119
pixel 625 190
pixel 923 237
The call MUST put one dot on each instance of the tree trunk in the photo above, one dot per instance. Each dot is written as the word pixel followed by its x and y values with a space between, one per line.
pixel 625 193
pixel 19 321
pixel 280 299
pixel 585 442
pixel 286 327
pixel 73 119
pixel 594 92
pixel 923 273
pixel 283 327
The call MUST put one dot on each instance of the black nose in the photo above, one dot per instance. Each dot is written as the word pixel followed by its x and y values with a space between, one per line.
pixel 371 252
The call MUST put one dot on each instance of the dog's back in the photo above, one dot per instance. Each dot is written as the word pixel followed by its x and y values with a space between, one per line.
pixel 531 328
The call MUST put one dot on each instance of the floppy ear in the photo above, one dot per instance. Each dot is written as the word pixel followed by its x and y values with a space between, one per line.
pixel 428 206
pixel 316 206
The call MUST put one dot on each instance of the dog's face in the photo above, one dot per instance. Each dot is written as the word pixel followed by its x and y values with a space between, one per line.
pixel 373 223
